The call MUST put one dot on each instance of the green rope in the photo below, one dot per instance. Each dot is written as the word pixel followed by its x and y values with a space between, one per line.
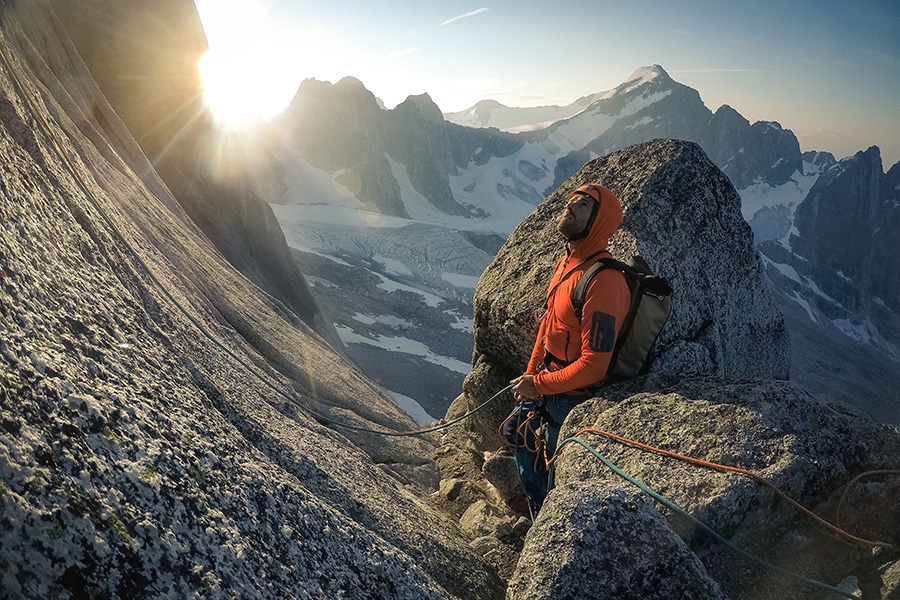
pixel 668 503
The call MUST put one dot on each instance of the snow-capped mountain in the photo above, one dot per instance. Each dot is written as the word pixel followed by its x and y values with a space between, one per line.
pixel 829 238
pixel 394 214
pixel 490 113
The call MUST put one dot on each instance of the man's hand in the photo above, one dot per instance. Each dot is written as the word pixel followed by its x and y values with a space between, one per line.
pixel 523 387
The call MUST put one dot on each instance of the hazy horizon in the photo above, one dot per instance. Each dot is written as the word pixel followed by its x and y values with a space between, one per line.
pixel 825 70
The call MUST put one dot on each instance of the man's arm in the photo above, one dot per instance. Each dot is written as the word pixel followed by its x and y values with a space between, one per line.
pixel 605 308
pixel 523 387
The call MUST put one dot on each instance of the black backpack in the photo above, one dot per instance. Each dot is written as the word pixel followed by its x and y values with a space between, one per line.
pixel 651 302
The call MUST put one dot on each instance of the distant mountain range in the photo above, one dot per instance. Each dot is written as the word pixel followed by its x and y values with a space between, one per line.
pixel 490 113
pixel 417 203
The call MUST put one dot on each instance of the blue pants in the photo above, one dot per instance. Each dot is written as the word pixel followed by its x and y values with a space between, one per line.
pixel 521 437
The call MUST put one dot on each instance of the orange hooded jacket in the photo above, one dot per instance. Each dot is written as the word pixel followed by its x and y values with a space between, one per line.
pixel 570 354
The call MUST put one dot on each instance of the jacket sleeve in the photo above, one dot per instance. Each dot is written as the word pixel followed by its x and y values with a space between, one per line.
pixel 606 305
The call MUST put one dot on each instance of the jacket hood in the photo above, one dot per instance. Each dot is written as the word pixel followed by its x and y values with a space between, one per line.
pixel 606 222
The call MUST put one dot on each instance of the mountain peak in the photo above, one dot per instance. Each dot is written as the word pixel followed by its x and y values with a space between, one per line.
pixel 426 107
pixel 647 74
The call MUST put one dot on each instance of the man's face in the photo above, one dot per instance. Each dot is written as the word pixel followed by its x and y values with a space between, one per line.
pixel 576 216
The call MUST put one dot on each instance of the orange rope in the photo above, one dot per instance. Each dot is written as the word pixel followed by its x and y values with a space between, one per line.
pixel 853 482
pixel 719 467
pixel 523 429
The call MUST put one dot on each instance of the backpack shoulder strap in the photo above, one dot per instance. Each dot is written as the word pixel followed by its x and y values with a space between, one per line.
pixel 579 292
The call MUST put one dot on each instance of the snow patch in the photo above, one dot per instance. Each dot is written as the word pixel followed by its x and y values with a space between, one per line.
pixel 389 320
pixel 411 407
pixel 317 185
pixel 319 281
pixel 761 195
pixel 393 266
pixel 390 285
pixel 786 270
pixel 404 346
pixel 805 304
pixel 643 121
pixel 864 333
pixel 461 323
pixel 461 281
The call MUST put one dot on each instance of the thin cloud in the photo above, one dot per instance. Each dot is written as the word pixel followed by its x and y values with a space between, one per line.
pixel 465 16
pixel 725 71
pixel 399 54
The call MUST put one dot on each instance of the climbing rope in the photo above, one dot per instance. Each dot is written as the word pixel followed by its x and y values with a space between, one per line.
pixel 394 433
pixel 674 507
pixel 726 468
pixel 853 482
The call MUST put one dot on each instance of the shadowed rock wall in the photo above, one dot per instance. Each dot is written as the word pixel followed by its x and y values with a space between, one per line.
pixel 144 56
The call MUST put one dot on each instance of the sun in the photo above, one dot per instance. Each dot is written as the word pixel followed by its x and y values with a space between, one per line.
pixel 239 88
pixel 250 70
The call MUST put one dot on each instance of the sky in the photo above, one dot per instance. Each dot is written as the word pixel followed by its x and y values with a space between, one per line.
pixel 827 70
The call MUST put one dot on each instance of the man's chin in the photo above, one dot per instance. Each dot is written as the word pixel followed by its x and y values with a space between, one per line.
pixel 567 230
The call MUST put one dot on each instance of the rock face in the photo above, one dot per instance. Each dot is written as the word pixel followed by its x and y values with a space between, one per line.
pixel 747 153
pixel 156 439
pixel 847 231
pixel 342 127
pixel 592 522
pixel 613 539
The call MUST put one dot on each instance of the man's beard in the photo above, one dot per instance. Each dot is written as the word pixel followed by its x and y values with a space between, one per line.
pixel 570 228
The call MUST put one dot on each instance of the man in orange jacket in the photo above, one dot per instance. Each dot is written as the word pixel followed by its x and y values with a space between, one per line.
pixel 570 356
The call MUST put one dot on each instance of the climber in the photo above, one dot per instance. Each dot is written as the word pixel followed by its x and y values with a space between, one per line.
pixel 570 356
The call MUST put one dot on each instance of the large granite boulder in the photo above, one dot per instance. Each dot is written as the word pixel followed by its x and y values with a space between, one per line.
pixel 600 536
pixel 683 216
pixel 716 390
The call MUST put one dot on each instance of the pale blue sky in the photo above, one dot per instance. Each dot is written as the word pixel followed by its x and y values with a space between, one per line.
pixel 828 70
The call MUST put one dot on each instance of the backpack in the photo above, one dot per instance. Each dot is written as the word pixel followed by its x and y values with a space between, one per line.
pixel 651 302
